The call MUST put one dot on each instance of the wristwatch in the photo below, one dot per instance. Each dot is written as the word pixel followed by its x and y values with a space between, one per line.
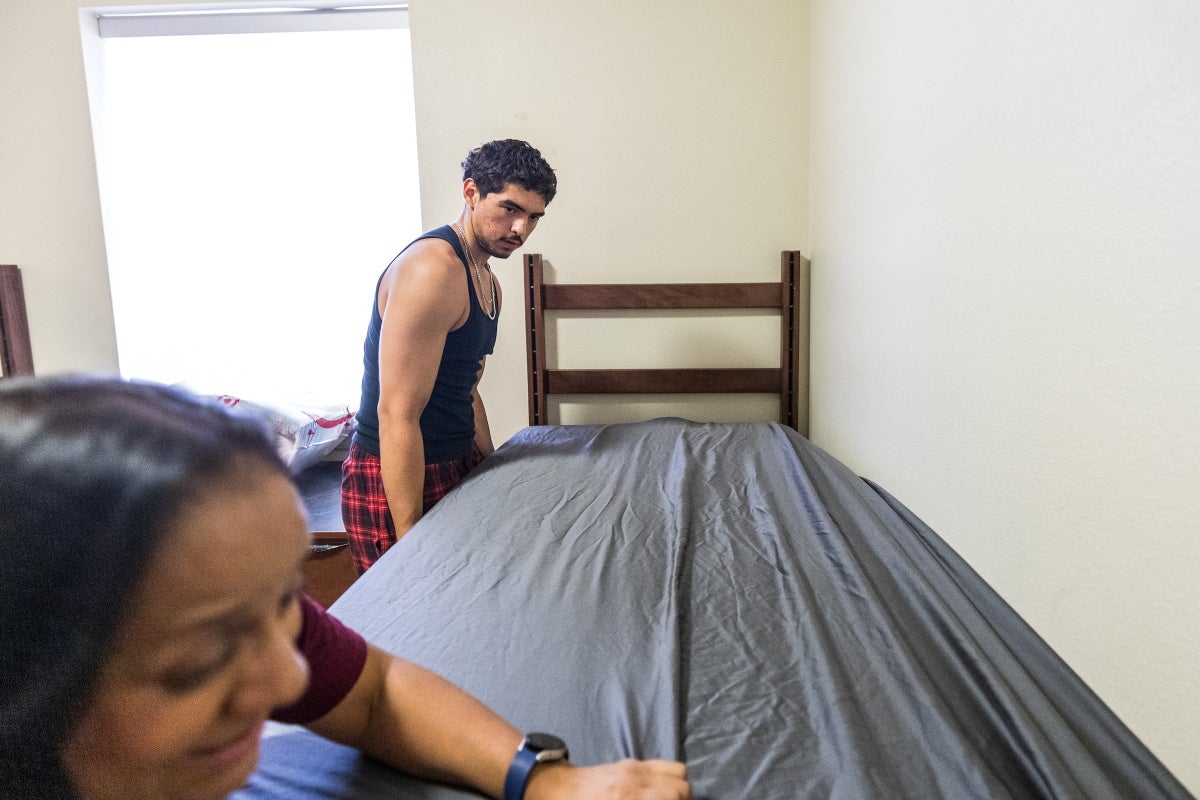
pixel 536 748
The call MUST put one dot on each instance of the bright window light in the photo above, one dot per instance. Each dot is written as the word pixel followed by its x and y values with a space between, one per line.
pixel 253 186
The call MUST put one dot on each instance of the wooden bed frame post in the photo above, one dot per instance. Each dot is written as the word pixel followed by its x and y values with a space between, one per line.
pixel 793 340
pixel 535 340
pixel 16 351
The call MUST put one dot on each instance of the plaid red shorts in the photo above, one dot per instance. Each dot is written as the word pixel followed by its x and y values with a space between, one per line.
pixel 369 526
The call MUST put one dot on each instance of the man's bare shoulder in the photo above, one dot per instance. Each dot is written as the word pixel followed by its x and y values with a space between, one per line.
pixel 426 280
pixel 423 262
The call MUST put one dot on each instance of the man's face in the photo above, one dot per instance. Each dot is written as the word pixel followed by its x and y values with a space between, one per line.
pixel 503 220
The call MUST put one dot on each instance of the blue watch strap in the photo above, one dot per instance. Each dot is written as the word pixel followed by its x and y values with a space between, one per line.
pixel 518 773
pixel 535 748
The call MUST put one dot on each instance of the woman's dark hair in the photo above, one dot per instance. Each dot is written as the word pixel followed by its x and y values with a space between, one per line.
pixel 496 164
pixel 93 472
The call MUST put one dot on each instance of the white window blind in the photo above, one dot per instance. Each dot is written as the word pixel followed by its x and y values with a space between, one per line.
pixel 212 20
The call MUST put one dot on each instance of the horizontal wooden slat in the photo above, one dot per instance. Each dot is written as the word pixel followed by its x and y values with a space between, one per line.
pixel 594 296
pixel 662 381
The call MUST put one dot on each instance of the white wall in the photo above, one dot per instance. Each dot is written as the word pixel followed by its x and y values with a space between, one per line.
pixel 678 131
pixel 49 204
pixel 1006 221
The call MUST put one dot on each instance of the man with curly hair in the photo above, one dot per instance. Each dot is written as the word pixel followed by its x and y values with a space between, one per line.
pixel 421 424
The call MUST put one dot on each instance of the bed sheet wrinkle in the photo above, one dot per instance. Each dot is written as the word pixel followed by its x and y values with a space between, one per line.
pixel 628 653
pixel 1024 716
pixel 913 690
pixel 851 700
pixel 951 618
pixel 947 642
pixel 729 576
pixel 730 595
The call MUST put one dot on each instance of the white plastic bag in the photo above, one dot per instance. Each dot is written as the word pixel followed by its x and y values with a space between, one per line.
pixel 303 436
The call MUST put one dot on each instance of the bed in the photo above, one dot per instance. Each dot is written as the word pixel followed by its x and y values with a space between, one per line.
pixel 726 594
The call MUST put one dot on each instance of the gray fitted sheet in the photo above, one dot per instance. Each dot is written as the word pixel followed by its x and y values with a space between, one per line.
pixel 731 596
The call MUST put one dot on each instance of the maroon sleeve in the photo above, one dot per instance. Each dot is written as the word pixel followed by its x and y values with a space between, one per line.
pixel 335 656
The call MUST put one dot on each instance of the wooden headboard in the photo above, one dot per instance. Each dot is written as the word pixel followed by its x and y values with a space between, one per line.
pixel 16 352
pixel 789 380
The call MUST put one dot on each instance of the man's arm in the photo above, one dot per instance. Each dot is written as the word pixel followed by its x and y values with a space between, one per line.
pixel 422 298
pixel 415 720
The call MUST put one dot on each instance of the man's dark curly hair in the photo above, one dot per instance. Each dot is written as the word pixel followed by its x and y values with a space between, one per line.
pixel 496 164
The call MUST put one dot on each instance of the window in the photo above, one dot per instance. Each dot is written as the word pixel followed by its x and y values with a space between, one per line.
pixel 253 185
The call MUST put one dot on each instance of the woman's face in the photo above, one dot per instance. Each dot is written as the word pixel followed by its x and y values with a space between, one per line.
pixel 207 651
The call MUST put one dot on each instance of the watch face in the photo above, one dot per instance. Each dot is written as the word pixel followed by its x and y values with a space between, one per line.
pixel 547 743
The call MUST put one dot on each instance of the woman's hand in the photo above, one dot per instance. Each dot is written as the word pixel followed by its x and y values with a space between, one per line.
pixel 628 779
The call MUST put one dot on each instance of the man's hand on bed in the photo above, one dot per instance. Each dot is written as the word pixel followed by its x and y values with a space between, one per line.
pixel 627 779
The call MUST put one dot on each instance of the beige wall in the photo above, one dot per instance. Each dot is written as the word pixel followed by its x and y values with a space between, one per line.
pixel 49 205
pixel 679 135
pixel 1006 217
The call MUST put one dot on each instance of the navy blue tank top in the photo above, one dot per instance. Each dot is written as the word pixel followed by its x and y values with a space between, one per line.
pixel 448 421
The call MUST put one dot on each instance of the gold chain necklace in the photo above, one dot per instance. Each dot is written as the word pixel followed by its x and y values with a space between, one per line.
pixel 462 235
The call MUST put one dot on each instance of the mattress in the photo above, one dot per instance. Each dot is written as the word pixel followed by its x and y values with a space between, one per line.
pixel 731 596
